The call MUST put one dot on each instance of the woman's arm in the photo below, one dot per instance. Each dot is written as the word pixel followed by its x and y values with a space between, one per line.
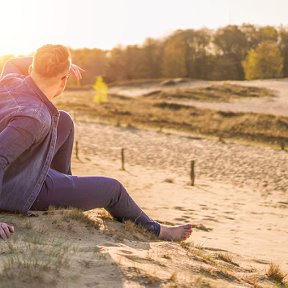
pixel 21 66
pixel 17 65
pixel 18 136
pixel 5 230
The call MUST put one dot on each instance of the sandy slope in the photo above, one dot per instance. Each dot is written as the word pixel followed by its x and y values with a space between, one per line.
pixel 226 217
pixel 240 194
pixel 275 106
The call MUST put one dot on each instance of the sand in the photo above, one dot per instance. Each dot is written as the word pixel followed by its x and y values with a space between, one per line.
pixel 238 208
pixel 275 106
pixel 240 194
pixel 234 219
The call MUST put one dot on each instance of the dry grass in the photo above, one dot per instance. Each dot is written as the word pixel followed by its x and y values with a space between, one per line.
pixel 253 280
pixel 33 264
pixel 275 274
pixel 203 283
pixel 217 273
pixel 38 257
pixel 136 82
pixel 40 253
pixel 211 267
pixel 136 274
pixel 73 214
pixel 149 112
pixel 226 257
pixel 213 93
pixel 199 254
pixel 77 214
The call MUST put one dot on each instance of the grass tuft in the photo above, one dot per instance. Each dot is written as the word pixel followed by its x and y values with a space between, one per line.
pixel 30 263
pixel 275 274
pixel 226 257
pixel 78 215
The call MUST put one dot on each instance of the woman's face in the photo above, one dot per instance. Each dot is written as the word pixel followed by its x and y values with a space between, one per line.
pixel 62 81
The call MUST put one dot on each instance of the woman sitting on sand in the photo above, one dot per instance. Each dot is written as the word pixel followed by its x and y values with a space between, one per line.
pixel 5 230
pixel 36 142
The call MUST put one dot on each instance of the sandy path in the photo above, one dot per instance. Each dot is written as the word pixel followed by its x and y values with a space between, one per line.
pixel 242 220
pixel 275 106
pixel 262 169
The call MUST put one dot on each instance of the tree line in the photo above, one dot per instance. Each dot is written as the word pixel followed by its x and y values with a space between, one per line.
pixel 228 53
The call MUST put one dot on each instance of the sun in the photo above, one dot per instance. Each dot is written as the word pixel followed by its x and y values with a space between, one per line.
pixel 15 19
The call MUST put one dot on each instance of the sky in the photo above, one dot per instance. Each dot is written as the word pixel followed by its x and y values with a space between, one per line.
pixel 29 24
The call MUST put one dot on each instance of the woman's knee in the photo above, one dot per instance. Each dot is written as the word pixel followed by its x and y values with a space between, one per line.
pixel 117 185
pixel 118 189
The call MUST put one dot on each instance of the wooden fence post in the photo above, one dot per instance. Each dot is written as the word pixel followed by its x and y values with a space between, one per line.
pixel 192 173
pixel 123 159
pixel 282 145
pixel 77 150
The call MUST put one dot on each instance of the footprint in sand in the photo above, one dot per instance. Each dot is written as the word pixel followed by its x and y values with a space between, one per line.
pixel 209 218
pixel 229 212
pixel 237 203
pixel 202 227
pixel 180 208
pixel 126 251
pixel 183 219
pixel 229 218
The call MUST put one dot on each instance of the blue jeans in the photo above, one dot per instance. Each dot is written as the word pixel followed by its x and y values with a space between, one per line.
pixel 61 189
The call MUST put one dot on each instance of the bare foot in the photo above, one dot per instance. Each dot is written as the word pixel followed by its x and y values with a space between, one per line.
pixel 175 233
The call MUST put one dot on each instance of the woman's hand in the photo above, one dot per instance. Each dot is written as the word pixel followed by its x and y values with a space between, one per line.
pixel 5 230
pixel 76 71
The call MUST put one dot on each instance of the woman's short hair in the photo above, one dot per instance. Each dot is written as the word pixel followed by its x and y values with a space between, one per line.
pixel 51 60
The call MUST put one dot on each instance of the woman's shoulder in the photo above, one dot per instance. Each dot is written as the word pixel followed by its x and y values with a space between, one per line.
pixel 34 109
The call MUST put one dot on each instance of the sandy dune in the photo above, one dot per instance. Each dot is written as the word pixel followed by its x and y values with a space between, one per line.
pixel 238 208
pixel 239 196
pixel 275 106
pixel 238 230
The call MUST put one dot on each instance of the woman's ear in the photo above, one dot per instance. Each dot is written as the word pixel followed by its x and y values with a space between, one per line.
pixel 30 69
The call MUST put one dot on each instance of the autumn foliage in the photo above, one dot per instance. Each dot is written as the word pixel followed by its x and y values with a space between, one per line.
pixel 229 53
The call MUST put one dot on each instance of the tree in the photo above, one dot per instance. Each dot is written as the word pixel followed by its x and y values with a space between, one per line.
pixel 231 44
pixel 174 57
pixel 152 57
pixel 127 64
pixel 114 69
pixel 268 33
pixel 252 36
pixel 283 45
pixel 101 90
pixel 92 61
pixel 197 43
pixel 134 63
pixel 264 62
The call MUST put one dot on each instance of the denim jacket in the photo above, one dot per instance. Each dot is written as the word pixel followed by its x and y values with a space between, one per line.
pixel 28 131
